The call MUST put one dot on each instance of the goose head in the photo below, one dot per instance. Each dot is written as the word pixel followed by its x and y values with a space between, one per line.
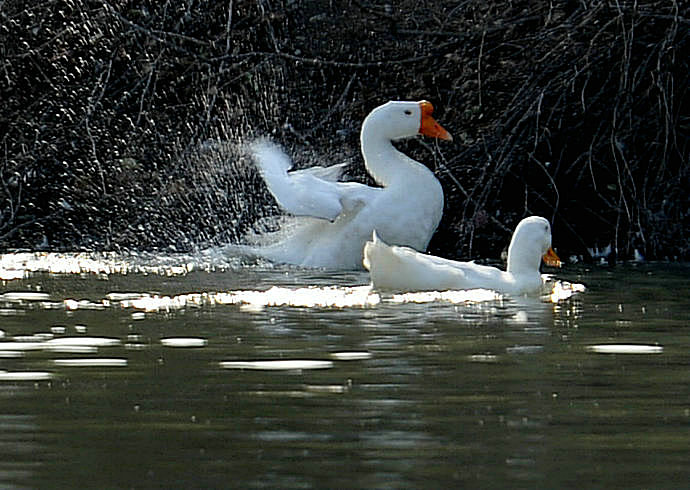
pixel 401 119
pixel 530 244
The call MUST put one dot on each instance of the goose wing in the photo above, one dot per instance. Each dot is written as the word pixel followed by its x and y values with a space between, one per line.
pixel 314 191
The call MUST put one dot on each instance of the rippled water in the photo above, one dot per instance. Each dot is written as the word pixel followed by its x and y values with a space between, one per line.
pixel 198 372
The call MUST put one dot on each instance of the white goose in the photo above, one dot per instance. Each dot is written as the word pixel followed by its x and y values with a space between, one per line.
pixel 332 220
pixel 403 269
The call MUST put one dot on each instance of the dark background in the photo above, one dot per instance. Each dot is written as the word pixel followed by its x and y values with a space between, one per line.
pixel 121 122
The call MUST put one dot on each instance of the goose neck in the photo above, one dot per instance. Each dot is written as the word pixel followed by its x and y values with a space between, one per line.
pixel 386 164
pixel 520 261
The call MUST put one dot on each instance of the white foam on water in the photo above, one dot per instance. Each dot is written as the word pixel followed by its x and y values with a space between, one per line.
pixel 625 349
pixel 183 342
pixel 350 356
pixel 307 297
pixel 279 365
pixel 84 342
pixel 562 290
pixel 524 349
pixel 25 376
pixel 11 354
pixel 71 349
pixel 37 337
pixel 46 342
pixel 335 389
pixel 18 296
pixel 21 346
pixel 94 362
pixel 255 301
pixel 250 301
pixel 12 274
pixel 488 358
pixel 117 296
pixel 15 266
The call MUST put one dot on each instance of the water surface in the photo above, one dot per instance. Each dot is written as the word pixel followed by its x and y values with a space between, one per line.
pixel 180 372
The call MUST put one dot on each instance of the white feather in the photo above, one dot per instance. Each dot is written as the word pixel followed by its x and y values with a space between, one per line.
pixel 403 269
pixel 332 220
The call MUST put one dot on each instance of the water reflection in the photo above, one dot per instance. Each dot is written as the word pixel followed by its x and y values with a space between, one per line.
pixel 270 377
pixel 20 441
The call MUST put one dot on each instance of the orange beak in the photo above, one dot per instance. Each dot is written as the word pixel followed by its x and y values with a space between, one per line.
pixel 551 259
pixel 429 126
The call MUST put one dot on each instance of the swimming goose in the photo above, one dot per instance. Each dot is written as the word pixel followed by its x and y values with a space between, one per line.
pixel 403 269
pixel 330 221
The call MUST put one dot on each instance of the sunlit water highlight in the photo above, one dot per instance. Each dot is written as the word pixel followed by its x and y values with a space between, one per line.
pixel 274 377
pixel 16 266
pixel 21 265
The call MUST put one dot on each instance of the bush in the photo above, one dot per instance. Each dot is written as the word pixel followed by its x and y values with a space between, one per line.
pixel 122 122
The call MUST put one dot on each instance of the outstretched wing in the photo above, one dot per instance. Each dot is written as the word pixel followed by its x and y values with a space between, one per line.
pixel 311 192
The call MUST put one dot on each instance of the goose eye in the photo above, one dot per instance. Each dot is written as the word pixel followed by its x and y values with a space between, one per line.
pixel 408 112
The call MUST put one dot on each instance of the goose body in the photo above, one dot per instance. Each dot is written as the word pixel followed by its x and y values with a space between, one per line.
pixel 403 269
pixel 329 220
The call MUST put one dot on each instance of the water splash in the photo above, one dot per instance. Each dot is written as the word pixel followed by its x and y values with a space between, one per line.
pixel 558 291
pixel 22 265
pixel 305 297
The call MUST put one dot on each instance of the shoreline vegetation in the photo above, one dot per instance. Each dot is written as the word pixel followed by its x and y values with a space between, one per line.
pixel 121 122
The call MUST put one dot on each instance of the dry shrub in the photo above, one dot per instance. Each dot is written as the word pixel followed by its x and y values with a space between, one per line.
pixel 122 122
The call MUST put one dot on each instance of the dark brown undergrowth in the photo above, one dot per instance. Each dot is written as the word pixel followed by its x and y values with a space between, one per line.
pixel 122 122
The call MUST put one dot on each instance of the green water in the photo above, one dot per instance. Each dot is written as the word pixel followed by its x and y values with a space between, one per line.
pixel 429 394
